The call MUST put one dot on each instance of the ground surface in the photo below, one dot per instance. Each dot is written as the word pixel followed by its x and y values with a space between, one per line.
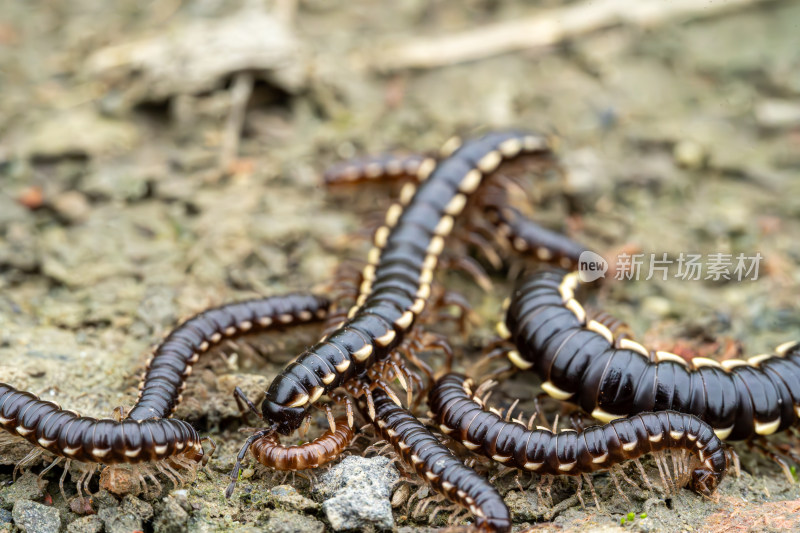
pixel 117 220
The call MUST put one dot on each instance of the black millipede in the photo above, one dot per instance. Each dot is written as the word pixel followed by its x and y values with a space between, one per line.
pixel 397 279
pixel 172 360
pixel 147 435
pixel 461 415
pixel 523 234
pixel 578 359
pixel 526 237
pixel 167 443
pixel 71 436
pixel 434 463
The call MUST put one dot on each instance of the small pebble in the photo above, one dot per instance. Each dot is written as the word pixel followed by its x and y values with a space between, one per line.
pixel 690 154
pixel 778 114
pixel 286 522
pixel 173 517
pixel 32 517
pixel 86 524
pixel 287 497
pixel 72 205
pixel 357 493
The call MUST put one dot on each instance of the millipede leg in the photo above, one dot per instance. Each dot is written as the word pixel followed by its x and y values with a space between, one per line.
pixel 243 401
pixel 734 458
pixel 471 268
pixel 382 385
pixel 591 489
pixel 615 479
pixel 370 403
pixel 39 478
pixel 118 414
pixel 624 476
pixel 643 473
pixel 555 424
pixel 511 409
pixel 485 247
pixel 764 447
pixel 329 416
pixel 207 456
pixel 237 467
pixel 432 340
pixel 67 464
pixel 422 365
pixel 442 509
pixel 519 483
pixel 28 459
pixel 579 490
pixel 400 375
pixel 304 426
pixel 154 479
pixel 497 349
pixel 577 421
pixel 502 472
pixel 663 471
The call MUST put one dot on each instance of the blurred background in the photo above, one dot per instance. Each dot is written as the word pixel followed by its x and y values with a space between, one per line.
pixel 159 157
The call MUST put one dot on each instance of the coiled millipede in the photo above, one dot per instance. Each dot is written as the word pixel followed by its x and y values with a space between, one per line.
pixel 461 414
pixel 578 359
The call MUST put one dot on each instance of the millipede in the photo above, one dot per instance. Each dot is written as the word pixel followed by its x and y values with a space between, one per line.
pixel 523 234
pixel 437 466
pixel 147 435
pixel 461 414
pixel 398 275
pixel 171 362
pixel 527 237
pixel 268 450
pixel 166 442
pixel 373 168
pixel 578 359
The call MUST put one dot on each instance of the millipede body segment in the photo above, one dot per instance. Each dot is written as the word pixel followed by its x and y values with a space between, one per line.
pixel 172 361
pixel 434 463
pixel 66 434
pixel 377 167
pixel 147 434
pixel 397 279
pixel 462 416
pixel 528 237
pixel 578 359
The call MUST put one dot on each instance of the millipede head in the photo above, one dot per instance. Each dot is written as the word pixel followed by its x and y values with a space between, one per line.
pixel 705 482
pixel 284 419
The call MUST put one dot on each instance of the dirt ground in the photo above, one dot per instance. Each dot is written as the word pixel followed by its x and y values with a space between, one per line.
pixel 129 200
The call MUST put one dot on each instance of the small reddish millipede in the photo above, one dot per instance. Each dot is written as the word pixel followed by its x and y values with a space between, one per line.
pixel 269 451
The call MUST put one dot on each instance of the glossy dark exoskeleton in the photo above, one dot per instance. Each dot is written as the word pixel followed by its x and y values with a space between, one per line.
pixel 398 284
pixel 738 400
pixel 569 452
pixel 436 464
